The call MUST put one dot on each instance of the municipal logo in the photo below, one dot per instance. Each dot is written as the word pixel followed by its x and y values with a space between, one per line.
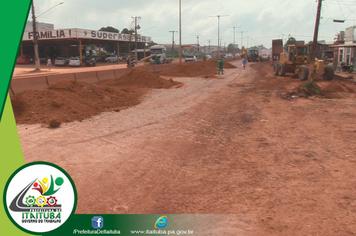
pixel 39 197
pixel 161 222
pixel 97 222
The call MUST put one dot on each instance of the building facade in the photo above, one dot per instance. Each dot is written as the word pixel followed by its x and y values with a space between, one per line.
pixel 346 52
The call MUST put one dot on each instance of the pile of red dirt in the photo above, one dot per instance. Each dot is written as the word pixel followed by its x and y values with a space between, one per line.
pixel 290 88
pixel 207 68
pixel 68 101
pixel 141 78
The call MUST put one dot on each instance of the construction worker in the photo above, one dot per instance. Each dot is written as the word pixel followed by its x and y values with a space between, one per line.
pixel 49 63
pixel 244 61
pixel 221 63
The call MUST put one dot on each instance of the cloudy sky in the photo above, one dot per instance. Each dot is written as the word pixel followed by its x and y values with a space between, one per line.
pixel 260 21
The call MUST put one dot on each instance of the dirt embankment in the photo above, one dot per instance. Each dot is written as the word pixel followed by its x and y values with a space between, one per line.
pixel 68 101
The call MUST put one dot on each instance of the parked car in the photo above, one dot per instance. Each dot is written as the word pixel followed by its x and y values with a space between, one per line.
pixel 43 59
pixel 67 59
pixel 23 60
pixel 190 58
pixel 123 56
pixel 90 62
pixel 207 57
pixel 60 61
pixel 229 55
pixel 111 58
pixel 74 61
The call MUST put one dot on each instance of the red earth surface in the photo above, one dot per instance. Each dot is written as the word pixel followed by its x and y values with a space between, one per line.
pixel 247 143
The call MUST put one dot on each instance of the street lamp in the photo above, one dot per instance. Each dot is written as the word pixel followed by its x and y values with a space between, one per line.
pixel 180 31
pixel 242 37
pixel 233 44
pixel 49 9
pixel 35 43
pixel 218 16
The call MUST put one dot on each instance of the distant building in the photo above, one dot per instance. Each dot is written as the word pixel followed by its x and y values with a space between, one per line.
pixel 39 26
pixel 210 49
pixel 345 51
pixel 323 50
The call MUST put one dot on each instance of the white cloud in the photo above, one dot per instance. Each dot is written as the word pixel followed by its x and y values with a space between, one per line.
pixel 263 20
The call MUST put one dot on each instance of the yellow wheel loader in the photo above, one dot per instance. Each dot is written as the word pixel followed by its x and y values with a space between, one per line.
pixel 252 55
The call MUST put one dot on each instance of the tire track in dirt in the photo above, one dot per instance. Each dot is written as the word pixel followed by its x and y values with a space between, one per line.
pixel 216 146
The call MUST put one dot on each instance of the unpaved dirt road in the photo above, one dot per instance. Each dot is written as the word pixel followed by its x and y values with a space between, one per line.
pixel 217 146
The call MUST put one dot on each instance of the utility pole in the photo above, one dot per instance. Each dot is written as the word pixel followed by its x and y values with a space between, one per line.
pixel 136 27
pixel 316 30
pixel 233 43
pixel 180 31
pixel 242 32
pixel 209 46
pixel 218 16
pixel 198 44
pixel 34 32
pixel 173 42
pixel 35 43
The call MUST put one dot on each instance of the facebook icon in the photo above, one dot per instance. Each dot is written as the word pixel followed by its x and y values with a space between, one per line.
pixel 97 222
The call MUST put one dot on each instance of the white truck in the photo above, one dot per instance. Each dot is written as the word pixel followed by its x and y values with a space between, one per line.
pixel 160 52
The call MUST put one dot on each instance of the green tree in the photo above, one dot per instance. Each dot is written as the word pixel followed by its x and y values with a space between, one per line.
pixel 109 47
pixel 109 29
pixel 126 31
pixel 150 44
pixel 230 48
pixel 125 47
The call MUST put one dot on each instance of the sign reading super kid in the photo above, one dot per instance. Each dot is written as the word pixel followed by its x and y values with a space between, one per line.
pixel 39 197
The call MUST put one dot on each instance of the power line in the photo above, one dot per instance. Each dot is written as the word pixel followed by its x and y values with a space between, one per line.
pixel 341 9
pixel 349 9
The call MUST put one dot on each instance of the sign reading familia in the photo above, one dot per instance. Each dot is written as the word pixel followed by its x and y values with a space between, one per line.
pixel 83 34
pixel 50 34
pixel 39 197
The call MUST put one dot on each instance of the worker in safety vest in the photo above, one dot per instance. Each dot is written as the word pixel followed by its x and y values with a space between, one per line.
pixel 221 63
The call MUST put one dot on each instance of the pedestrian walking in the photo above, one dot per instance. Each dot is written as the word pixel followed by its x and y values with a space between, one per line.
pixel 221 63
pixel 49 63
pixel 244 61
